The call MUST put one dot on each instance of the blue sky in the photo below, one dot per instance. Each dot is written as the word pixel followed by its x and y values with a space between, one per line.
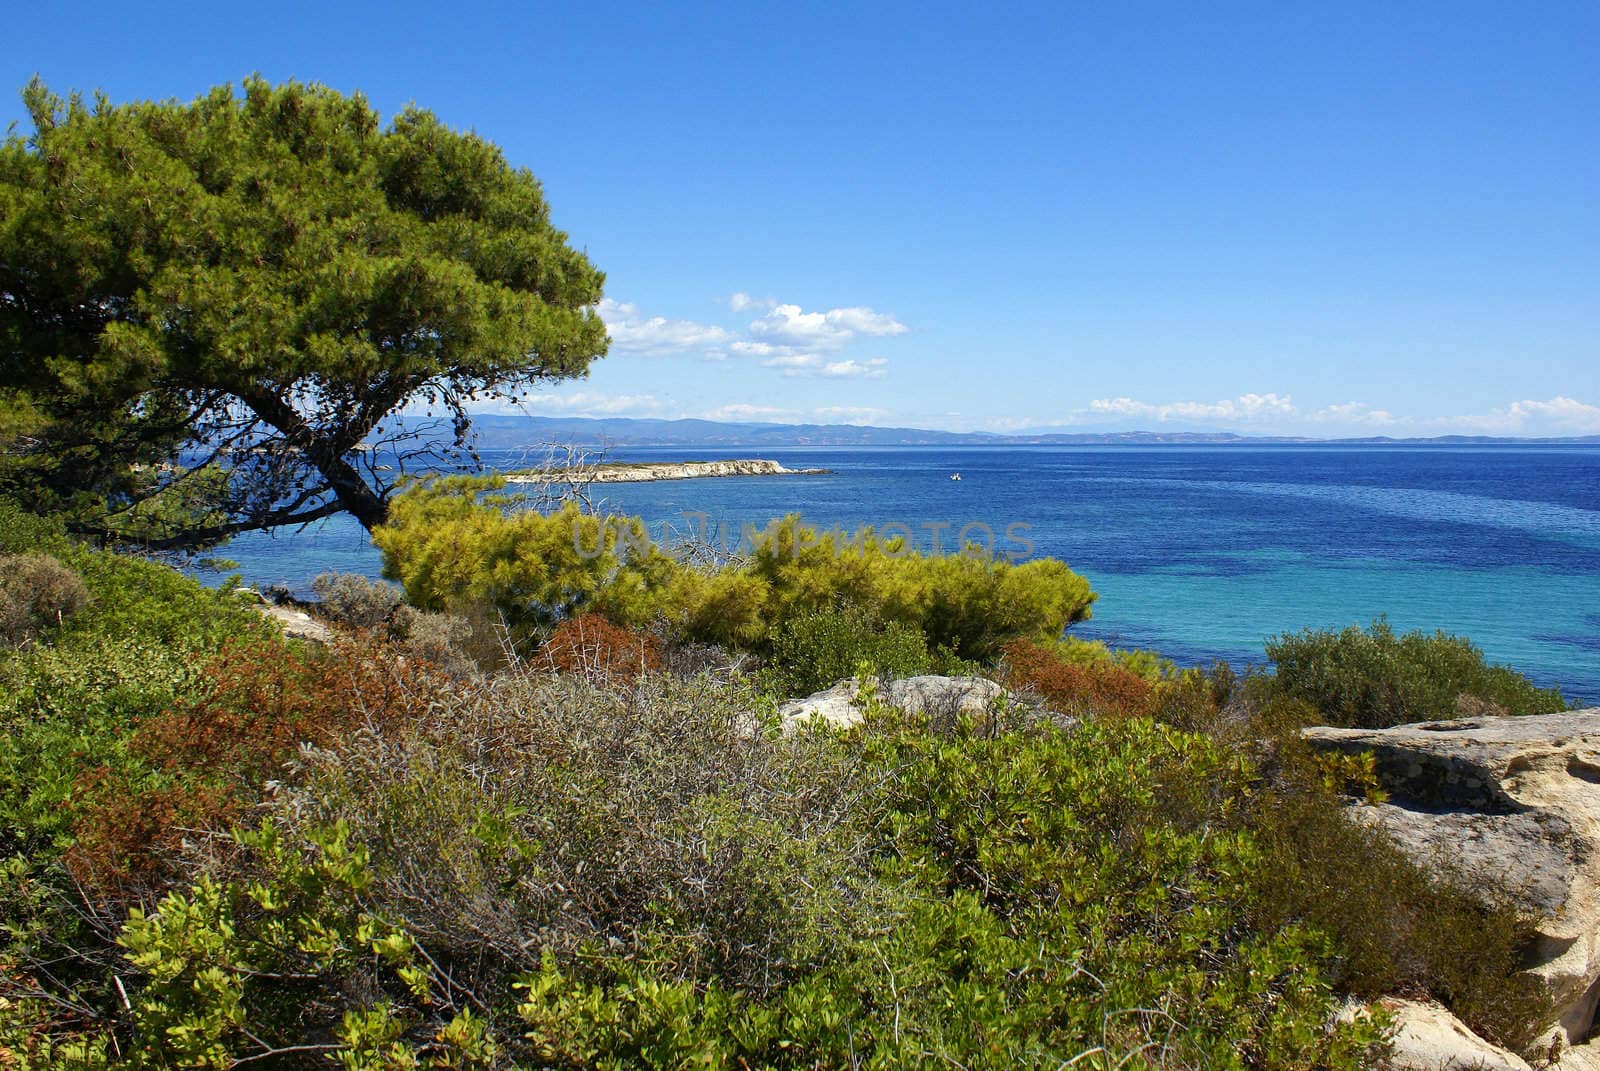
pixel 1321 219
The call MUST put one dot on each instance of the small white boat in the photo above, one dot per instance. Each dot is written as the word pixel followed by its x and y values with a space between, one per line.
pixel 955 475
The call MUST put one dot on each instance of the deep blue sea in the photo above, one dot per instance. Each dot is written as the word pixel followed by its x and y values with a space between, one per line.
pixel 1199 552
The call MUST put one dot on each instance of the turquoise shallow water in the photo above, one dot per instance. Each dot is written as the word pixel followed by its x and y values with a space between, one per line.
pixel 1200 552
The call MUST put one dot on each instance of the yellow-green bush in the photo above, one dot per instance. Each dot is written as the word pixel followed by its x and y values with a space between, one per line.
pixel 452 542
pixel 967 603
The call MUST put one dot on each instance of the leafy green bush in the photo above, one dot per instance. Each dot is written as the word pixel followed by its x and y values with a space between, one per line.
pixel 554 872
pixel 1093 654
pixel 128 654
pixel 813 650
pixel 22 532
pixel 1397 927
pixel 1370 678
pixel 69 708
pixel 653 817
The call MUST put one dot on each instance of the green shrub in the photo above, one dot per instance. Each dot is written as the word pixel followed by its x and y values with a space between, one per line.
pixel 1370 678
pixel 22 532
pixel 655 817
pixel 970 604
pixel 813 650
pixel 1092 654
pixel 556 873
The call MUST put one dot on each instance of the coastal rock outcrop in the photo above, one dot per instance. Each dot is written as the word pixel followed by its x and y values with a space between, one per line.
pixel 296 623
pixel 1512 804
pixel 916 695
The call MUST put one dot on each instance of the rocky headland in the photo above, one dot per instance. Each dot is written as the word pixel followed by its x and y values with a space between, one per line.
pixel 648 471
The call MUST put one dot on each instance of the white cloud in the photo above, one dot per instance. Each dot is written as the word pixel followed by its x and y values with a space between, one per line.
pixel 784 337
pixel 1353 413
pixel 789 325
pixel 864 321
pixel 760 349
pixel 873 368
pixel 654 336
pixel 593 403
pixel 744 411
pixel 811 364
pixel 1556 416
pixel 742 301
pixel 1244 407
pixel 794 364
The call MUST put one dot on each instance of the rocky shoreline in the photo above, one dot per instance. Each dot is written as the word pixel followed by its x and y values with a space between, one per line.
pixel 649 471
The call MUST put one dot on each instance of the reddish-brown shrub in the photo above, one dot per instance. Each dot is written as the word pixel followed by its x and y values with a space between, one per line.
pixel 590 645
pixel 1072 688
pixel 200 766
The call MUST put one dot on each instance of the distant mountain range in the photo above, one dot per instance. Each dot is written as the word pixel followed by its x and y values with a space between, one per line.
pixel 509 432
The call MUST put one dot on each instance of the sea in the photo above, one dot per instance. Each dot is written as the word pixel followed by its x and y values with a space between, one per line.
pixel 1199 552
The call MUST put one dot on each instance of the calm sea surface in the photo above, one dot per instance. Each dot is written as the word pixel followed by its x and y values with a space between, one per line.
pixel 1199 552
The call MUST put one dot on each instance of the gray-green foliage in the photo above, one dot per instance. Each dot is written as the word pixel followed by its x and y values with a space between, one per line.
pixel 37 595
pixel 550 872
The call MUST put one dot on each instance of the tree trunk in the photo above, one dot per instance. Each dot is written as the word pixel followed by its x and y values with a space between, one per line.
pixel 315 446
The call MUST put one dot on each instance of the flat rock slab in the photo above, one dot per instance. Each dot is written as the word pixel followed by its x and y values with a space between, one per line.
pixel 915 695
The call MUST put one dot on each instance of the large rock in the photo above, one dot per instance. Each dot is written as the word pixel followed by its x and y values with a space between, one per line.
pixel 1428 1038
pixel 1512 804
pixel 915 695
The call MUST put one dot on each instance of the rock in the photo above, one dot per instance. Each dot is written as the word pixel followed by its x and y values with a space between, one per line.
pixel 297 624
pixel 915 695
pixel 1512 804
pixel 1428 1038
pixel 645 472
pixel 1580 1058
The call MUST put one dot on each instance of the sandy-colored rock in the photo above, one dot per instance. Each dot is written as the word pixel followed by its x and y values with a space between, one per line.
pixel 917 695
pixel 297 624
pixel 1428 1038
pixel 1513 805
